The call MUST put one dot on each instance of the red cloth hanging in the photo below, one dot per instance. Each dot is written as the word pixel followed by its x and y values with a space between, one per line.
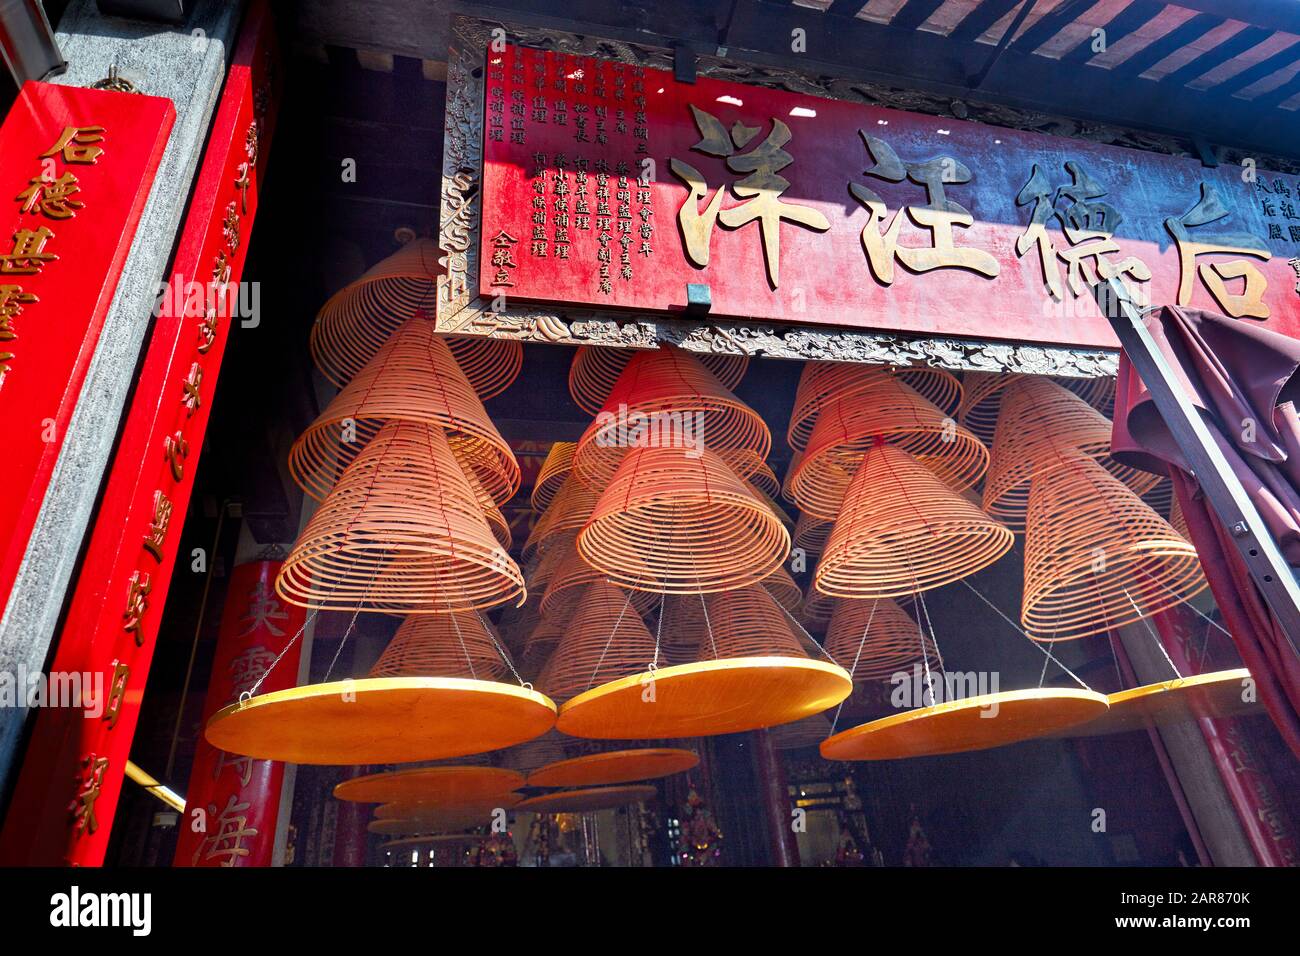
pixel 1242 378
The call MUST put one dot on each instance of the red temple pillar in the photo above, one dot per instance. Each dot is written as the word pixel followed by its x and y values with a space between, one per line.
pixel 775 796
pixel 232 802
pixel 351 839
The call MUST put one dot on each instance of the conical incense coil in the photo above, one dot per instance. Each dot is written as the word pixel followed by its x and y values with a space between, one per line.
pixel 528 756
pixel 795 458
pixel 890 411
pixel 810 533
pixel 538 647
pixel 605 640
pixel 570 581
pixel 817 609
pixel 824 382
pixel 459 644
pixel 495 518
pixel 1039 427
pixel 358 319
pixel 566 516
pixel 401 531
pixel 781 514
pixel 981 401
pixel 798 734
pixel 413 378
pixel 784 588
pixel 677 523
pixel 1097 392
pixel 544 566
pixel 903 530
pixel 550 478
pixel 873 640
pixel 595 370
pixel 682 630
pixel 748 623
pixel 1097 557
pixel 668 399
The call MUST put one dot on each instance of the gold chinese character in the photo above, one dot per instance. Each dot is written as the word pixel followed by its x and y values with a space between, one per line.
pixel 12 300
pixel 1088 226
pixel 937 217
pixel 243 174
pixel 1215 275
pixel 116 692
pixel 157 534
pixel 52 197
pixel 28 256
pixel 761 190
pixel 221 270
pixel 89 783
pixel 243 766
pixel 207 330
pixel 137 604
pixel 230 226
pixel 176 448
pixel 192 398
pixel 227 840
pixel 76 143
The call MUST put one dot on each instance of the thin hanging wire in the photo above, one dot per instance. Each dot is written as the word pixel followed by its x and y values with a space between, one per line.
pixel 1078 680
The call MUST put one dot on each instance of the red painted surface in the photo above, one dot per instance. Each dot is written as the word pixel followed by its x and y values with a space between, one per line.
pixel 46 342
pixel 232 802
pixel 67 746
pixel 824 276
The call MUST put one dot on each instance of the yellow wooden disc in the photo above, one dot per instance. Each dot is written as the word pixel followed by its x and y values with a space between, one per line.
pixel 381 720
pixel 446 822
pixel 433 785
pixel 709 697
pixel 957 726
pixel 430 839
pixel 1217 694
pixel 615 766
pixel 586 801
pixel 417 810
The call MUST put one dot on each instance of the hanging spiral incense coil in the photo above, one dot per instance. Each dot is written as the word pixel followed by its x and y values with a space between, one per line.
pixel 358 319
pixel 401 531
pixel 595 370
pixel 555 469
pixel 568 513
pixel 545 563
pixel 527 757
pixel 1040 425
pixel 757 472
pixel 683 634
pixel 873 640
pixel 981 402
pixel 667 399
pixel 798 734
pixel 795 458
pixel 747 622
pixel 673 523
pixel 1097 392
pixel 570 581
pixel 817 609
pixel 413 378
pixel 538 647
pixel 810 534
pixel 495 518
pixel 784 588
pixel 516 623
pixel 903 530
pixel 605 640
pixel 1096 557
pixel 822 383
pixel 886 411
pixel 459 644
pixel 781 514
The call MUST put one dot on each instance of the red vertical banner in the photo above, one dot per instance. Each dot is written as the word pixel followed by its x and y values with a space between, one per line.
pixel 73 768
pixel 77 168
pixel 232 802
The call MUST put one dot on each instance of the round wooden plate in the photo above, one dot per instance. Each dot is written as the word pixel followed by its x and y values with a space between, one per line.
pixel 432 838
pixel 709 697
pixel 958 726
pixel 1217 694
pixel 381 720
pixel 586 801
pixel 480 808
pixel 447 785
pixel 616 766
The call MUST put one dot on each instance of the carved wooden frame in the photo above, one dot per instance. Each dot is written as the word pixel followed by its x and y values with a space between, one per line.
pixel 462 311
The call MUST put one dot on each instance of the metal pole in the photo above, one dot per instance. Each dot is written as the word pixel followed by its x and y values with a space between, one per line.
pixel 1223 489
